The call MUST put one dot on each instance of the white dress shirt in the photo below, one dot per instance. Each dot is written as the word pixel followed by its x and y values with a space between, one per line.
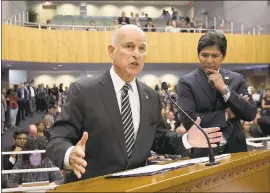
pixel 32 91
pixel 134 99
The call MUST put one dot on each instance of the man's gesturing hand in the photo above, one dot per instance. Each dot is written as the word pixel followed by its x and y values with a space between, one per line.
pixel 76 158
pixel 197 139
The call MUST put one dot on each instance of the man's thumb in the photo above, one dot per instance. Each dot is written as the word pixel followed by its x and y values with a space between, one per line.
pixel 198 121
pixel 83 139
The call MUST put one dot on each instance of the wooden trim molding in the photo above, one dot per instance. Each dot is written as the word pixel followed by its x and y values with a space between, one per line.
pixel 222 178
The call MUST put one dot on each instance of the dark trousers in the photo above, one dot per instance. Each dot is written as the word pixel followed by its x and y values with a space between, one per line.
pixel 21 112
pixel 41 104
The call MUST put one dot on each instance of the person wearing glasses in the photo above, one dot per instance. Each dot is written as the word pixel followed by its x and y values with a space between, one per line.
pixel 20 139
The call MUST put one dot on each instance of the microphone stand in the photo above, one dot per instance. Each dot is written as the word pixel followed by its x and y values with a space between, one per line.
pixel 212 160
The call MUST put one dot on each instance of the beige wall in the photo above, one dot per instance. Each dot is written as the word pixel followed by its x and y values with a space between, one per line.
pixel 53 78
pixel 107 9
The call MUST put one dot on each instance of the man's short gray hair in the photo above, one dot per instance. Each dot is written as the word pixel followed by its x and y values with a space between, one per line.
pixel 129 26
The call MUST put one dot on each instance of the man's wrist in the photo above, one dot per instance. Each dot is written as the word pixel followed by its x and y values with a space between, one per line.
pixel 225 90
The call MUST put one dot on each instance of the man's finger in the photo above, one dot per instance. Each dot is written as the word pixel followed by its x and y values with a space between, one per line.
pixel 213 145
pixel 212 71
pixel 212 130
pixel 78 167
pixel 78 152
pixel 78 160
pixel 198 121
pixel 83 140
pixel 215 140
pixel 214 135
pixel 77 173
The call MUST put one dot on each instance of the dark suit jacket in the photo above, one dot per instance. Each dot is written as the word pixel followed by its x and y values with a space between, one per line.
pixel 198 98
pixel 91 106
pixel 120 20
pixel 6 163
pixel 153 29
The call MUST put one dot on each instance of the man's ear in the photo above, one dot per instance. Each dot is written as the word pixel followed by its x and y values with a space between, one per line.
pixel 223 58
pixel 110 51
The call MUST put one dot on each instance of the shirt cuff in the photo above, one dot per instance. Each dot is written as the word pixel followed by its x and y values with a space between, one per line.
pixel 67 166
pixel 185 142
pixel 227 96
pixel 12 160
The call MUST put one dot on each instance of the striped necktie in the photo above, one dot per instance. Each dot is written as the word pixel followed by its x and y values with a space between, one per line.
pixel 127 119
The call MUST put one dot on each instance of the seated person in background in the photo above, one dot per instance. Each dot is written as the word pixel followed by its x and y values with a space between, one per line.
pixel 255 129
pixel 149 27
pixel 266 103
pixel 51 113
pixel 41 130
pixel 52 99
pixel 137 20
pixel 189 30
pixel 246 128
pixel 32 131
pixel 92 26
pixel 181 130
pixel 47 122
pixel 20 139
pixel 31 161
pixel 170 123
pixel 168 26
pixel 255 96
pixel 123 20
pixel 115 25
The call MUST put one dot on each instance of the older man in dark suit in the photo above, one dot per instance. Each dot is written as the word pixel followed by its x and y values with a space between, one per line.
pixel 111 122
pixel 220 97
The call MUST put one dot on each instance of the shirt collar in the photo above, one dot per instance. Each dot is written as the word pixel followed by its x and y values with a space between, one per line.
pixel 168 121
pixel 119 83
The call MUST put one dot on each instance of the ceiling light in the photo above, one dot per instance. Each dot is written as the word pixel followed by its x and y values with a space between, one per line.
pixel 55 68
pixel 59 65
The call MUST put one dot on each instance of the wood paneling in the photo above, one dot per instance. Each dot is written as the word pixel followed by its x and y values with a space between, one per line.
pixel 41 45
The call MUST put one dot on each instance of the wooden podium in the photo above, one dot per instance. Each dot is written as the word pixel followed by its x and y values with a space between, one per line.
pixel 242 172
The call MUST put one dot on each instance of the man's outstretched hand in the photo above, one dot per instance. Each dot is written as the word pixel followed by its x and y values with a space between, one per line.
pixel 76 158
pixel 197 139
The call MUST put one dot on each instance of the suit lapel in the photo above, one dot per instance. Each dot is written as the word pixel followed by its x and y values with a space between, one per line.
pixel 226 76
pixel 202 80
pixel 108 96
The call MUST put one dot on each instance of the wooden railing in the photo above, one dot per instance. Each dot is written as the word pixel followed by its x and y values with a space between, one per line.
pixel 42 45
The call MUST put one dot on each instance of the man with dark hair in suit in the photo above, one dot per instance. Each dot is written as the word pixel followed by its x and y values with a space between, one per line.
pixel 123 20
pixel 111 122
pixel 220 97
pixel 20 139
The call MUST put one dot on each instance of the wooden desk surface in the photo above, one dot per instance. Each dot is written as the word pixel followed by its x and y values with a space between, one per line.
pixel 230 168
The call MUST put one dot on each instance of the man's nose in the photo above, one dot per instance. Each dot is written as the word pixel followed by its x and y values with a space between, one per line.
pixel 209 60
pixel 136 52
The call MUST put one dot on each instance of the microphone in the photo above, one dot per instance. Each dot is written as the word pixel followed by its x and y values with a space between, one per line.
pixel 212 160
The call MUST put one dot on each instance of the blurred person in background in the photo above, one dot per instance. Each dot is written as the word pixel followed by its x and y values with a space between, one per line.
pixel 123 20
pixel 41 131
pixel 13 105
pixel 149 27
pixel 47 121
pixel 266 103
pixel 20 139
pixel 32 161
pixel 3 110
pixel 32 131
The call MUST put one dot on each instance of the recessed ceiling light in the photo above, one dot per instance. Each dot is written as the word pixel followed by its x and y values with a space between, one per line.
pixel 55 68
pixel 8 65
pixel 59 65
